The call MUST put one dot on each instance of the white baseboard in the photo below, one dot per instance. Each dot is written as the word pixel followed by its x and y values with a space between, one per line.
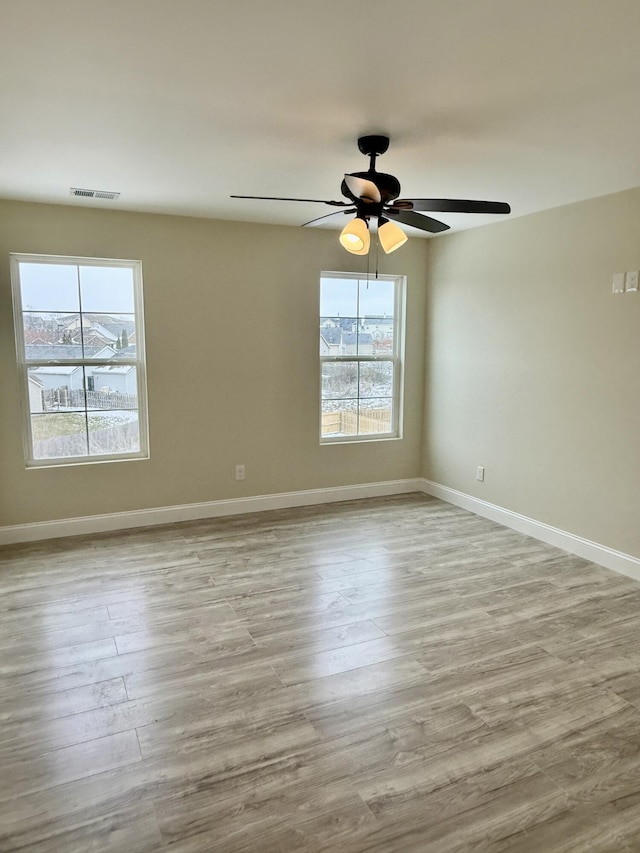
pixel 209 509
pixel 609 558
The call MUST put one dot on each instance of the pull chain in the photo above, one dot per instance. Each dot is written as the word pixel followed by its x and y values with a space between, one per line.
pixel 368 262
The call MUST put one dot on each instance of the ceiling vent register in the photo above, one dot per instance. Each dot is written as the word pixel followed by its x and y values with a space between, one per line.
pixel 104 194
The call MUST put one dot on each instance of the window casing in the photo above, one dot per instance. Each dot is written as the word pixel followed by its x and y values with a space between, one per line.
pixel 361 357
pixel 80 350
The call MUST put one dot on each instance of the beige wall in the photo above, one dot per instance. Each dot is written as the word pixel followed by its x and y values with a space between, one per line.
pixel 534 368
pixel 532 365
pixel 232 339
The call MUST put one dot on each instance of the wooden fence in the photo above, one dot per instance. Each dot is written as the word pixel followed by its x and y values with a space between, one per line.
pixel 54 399
pixel 350 423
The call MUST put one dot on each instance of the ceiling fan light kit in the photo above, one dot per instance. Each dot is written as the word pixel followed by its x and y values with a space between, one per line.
pixel 355 237
pixel 390 236
pixel 374 195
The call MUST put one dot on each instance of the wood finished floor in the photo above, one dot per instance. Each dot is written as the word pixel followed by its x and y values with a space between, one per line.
pixel 387 675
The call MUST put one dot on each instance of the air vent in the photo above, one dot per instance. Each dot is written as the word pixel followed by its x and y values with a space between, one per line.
pixel 93 193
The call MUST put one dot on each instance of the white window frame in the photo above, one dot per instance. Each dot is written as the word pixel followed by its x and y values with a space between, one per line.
pixel 397 358
pixel 24 364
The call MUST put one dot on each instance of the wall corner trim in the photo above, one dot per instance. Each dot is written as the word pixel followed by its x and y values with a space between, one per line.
pixel 617 561
pixel 14 534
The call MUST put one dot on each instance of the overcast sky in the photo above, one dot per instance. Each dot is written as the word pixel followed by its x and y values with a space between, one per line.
pixel 54 288
pixel 340 297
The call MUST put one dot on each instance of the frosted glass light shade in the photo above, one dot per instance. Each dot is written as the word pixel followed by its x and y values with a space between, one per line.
pixel 390 236
pixel 355 237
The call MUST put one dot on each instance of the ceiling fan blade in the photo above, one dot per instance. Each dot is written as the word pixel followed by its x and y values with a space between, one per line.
pixel 416 220
pixel 363 189
pixel 279 198
pixel 327 215
pixel 452 205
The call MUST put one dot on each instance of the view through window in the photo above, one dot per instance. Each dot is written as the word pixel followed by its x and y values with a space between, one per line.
pixel 80 346
pixel 361 356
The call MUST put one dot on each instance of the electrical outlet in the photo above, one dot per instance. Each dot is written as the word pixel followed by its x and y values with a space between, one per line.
pixel 480 473
pixel 239 472
pixel 617 282
pixel 631 281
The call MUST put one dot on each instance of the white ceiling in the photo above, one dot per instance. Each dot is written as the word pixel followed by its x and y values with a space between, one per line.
pixel 179 103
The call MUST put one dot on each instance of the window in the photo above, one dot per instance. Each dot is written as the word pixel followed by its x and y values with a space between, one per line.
pixel 361 350
pixel 80 346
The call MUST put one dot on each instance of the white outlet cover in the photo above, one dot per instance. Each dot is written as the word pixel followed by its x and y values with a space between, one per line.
pixel 631 281
pixel 618 282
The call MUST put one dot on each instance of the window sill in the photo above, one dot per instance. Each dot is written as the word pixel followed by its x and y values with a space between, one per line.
pixel 359 440
pixel 36 465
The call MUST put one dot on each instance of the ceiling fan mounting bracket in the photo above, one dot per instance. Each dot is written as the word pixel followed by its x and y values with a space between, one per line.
pixel 373 145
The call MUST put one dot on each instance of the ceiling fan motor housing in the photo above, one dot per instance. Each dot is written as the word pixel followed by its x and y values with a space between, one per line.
pixel 388 185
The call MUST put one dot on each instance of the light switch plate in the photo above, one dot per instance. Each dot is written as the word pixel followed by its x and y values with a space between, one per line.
pixel 618 282
pixel 631 281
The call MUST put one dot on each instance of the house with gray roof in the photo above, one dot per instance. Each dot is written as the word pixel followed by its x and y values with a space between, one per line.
pixel 337 341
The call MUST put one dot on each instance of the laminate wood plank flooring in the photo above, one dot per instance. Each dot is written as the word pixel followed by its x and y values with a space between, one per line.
pixel 389 675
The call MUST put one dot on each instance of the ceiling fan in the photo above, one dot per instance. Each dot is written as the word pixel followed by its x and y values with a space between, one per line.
pixel 374 195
